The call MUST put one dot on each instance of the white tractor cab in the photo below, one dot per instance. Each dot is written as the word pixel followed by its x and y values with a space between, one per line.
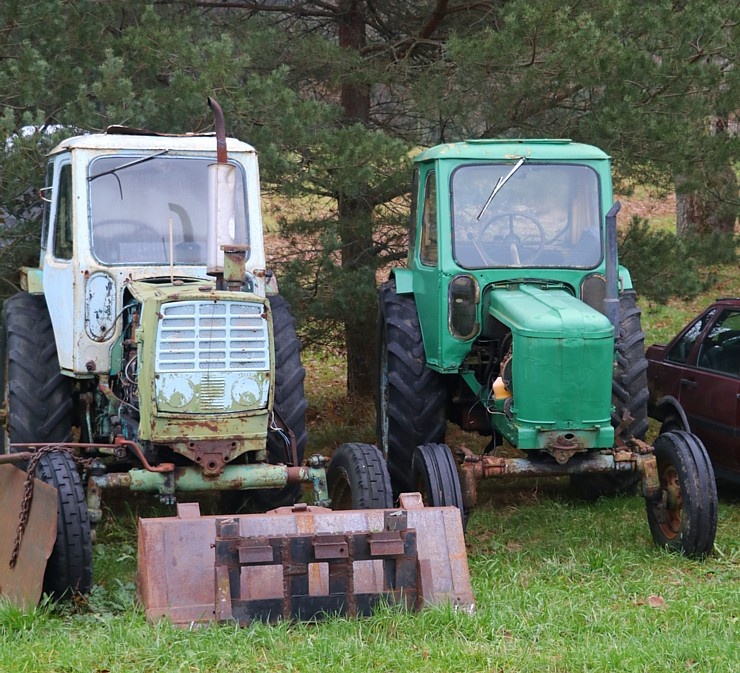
pixel 126 208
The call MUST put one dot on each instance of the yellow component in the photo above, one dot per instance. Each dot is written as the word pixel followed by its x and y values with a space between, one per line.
pixel 500 391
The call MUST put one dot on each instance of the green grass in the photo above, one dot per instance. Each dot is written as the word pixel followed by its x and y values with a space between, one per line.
pixel 661 322
pixel 560 585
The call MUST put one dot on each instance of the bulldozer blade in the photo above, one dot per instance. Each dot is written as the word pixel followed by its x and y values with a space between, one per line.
pixel 22 584
pixel 301 563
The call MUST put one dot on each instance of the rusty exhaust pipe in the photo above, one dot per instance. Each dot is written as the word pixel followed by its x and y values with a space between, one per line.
pixel 218 116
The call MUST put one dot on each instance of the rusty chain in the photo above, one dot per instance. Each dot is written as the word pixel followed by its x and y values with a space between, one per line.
pixel 28 491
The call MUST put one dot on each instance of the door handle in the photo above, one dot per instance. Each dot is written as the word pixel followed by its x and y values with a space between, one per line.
pixel 688 383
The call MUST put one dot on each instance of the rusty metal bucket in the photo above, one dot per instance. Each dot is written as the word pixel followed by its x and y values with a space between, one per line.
pixel 23 583
pixel 301 563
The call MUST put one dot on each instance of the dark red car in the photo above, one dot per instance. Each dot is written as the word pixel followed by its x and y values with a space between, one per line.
pixel 694 384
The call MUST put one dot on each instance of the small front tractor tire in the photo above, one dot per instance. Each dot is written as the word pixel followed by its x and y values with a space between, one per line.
pixel 435 477
pixel 684 516
pixel 69 569
pixel 411 401
pixel 38 402
pixel 357 478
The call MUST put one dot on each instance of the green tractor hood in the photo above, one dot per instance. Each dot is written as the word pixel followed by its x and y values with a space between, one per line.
pixel 561 368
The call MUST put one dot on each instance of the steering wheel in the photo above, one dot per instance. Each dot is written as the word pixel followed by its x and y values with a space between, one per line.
pixel 108 235
pixel 520 235
pixel 126 229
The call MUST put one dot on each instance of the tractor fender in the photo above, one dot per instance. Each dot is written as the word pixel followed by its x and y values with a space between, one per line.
pixel 404 280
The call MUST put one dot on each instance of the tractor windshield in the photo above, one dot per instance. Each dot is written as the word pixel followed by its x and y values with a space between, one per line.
pixel 544 215
pixel 152 209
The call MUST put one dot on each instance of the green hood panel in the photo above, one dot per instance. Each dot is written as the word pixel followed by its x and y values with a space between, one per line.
pixel 563 352
pixel 536 312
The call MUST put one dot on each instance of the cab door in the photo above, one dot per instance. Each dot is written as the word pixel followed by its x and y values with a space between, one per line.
pixel 58 261
pixel 427 276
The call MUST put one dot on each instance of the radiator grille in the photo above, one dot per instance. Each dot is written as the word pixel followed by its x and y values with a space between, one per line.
pixel 211 337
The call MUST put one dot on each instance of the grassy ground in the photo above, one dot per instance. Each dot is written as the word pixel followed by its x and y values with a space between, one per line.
pixel 561 586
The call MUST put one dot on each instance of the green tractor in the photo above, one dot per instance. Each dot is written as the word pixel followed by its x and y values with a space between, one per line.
pixel 514 319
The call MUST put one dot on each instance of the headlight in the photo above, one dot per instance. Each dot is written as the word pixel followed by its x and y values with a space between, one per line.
pixel 593 291
pixel 463 307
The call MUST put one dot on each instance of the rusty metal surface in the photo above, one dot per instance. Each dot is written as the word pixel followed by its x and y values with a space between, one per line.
pixel 23 584
pixel 179 577
pixel 318 574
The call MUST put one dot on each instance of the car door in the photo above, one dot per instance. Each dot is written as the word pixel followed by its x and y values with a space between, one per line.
pixel 709 389
pixel 669 363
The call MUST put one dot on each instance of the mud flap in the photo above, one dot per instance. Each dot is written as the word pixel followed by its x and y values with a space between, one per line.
pixel 22 584
pixel 301 563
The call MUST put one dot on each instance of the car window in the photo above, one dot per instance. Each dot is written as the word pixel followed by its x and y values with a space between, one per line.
pixel 682 348
pixel 720 350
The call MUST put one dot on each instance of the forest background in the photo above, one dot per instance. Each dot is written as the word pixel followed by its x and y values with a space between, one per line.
pixel 338 95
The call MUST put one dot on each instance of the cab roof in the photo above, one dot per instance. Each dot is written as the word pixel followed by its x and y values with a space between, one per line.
pixel 508 149
pixel 121 138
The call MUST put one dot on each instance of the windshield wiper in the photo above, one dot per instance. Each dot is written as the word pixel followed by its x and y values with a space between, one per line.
pixel 135 162
pixel 499 184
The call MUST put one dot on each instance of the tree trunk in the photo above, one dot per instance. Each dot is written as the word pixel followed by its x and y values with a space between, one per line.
pixel 711 209
pixel 359 326
pixel 355 218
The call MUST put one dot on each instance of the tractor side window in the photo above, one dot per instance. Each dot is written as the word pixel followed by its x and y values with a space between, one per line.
pixel 682 349
pixel 720 350
pixel 63 220
pixel 428 248
pixel 414 211
pixel 45 194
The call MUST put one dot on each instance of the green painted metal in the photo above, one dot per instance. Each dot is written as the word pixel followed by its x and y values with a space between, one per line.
pixel 429 283
pixel 539 149
pixel 563 350
pixel 32 280
pixel 233 477
pixel 245 427
pixel 562 368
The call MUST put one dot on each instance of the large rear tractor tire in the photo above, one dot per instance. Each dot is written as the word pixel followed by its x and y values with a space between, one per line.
pixel 629 394
pixel 358 478
pixel 290 405
pixel 411 402
pixel 684 517
pixel 38 402
pixel 435 476
pixel 629 385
